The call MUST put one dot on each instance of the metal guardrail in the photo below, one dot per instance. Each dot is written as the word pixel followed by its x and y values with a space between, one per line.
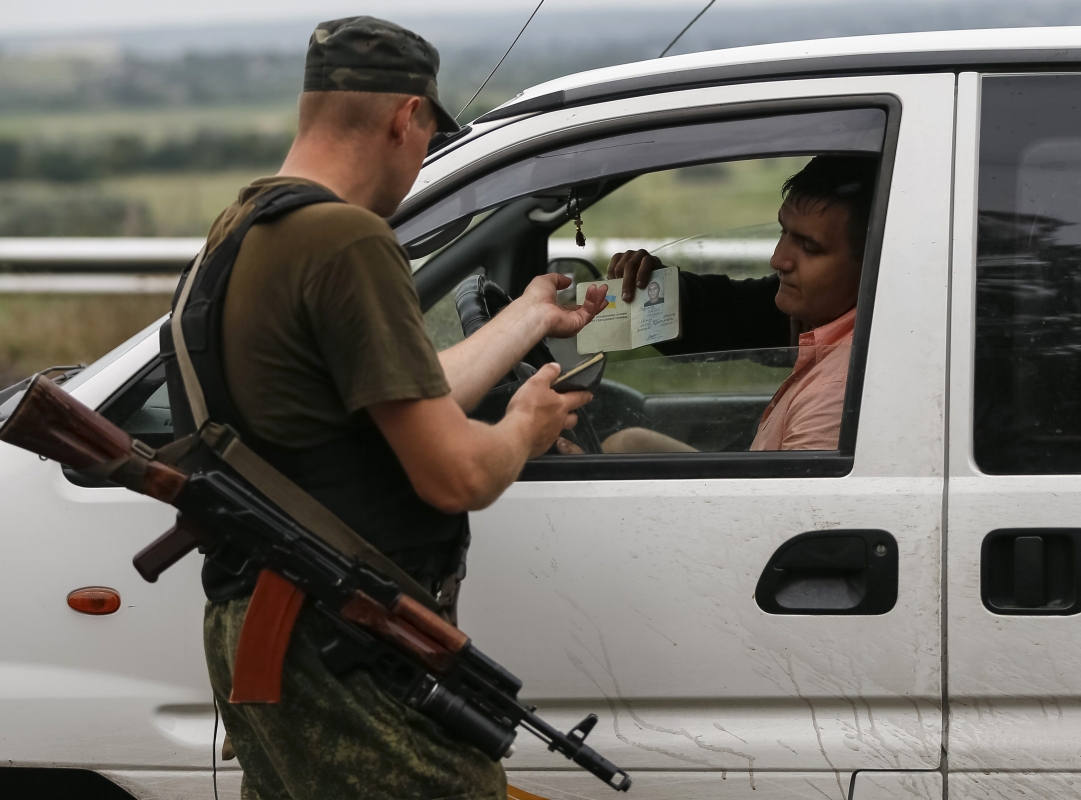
pixel 64 254
pixel 152 266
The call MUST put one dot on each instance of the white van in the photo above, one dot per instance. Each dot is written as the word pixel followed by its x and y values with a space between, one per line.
pixel 891 619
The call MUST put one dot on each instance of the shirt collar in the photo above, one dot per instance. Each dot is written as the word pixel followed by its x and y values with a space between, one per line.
pixel 836 332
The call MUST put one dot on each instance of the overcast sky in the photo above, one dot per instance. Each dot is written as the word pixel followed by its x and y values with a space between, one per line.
pixel 52 16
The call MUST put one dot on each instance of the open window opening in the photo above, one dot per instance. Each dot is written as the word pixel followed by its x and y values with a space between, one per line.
pixel 715 200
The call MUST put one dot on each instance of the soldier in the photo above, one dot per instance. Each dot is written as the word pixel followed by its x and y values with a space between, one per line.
pixel 335 382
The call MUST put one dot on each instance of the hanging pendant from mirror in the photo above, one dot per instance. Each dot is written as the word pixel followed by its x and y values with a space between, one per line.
pixel 576 213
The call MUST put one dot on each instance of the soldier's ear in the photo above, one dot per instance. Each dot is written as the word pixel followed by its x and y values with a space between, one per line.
pixel 405 117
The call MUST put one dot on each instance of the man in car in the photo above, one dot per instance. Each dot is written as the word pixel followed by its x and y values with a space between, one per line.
pixel 809 301
pixel 338 386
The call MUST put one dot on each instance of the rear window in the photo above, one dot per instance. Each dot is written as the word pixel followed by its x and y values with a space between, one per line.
pixel 1028 277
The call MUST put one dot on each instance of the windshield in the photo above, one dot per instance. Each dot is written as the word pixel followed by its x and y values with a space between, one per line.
pixel 112 356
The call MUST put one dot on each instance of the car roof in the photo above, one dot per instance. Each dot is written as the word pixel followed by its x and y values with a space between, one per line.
pixel 1015 48
pixel 1001 49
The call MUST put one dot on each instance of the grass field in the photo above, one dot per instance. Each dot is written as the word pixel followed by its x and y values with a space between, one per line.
pixel 38 331
pixel 138 205
pixel 183 205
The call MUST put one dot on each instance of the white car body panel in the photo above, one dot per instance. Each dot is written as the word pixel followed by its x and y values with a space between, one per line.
pixel 126 690
pixel 198 784
pixel 653 609
pixel 634 599
pixel 1014 686
pixel 897 785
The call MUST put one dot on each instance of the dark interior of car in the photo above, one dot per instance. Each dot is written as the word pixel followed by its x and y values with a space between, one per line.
pixel 510 248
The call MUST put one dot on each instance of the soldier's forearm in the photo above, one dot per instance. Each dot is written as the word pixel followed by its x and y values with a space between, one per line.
pixel 454 463
pixel 474 365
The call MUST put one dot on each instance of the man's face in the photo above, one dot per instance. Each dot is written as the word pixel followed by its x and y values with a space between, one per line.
pixel 654 291
pixel 820 278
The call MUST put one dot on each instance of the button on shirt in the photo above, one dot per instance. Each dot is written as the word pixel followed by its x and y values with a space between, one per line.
pixel 805 413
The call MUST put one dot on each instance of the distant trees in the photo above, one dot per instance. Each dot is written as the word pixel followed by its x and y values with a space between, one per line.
pixel 205 151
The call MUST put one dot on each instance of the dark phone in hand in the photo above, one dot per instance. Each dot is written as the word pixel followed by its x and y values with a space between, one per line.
pixel 583 377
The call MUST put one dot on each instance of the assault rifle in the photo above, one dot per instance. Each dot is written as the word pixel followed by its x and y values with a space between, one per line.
pixel 414 653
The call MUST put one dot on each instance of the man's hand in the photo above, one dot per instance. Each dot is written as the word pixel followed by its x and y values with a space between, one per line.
pixel 634 267
pixel 562 322
pixel 475 364
pixel 545 412
pixel 458 464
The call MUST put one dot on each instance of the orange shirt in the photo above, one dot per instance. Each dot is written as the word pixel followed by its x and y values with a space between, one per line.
pixel 805 413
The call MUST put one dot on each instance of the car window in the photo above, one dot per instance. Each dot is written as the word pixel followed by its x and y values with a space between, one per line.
pixel 1028 277
pixel 709 219
pixel 442 323
pixel 716 218
pixel 717 222
pixel 141 408
pixel 701 402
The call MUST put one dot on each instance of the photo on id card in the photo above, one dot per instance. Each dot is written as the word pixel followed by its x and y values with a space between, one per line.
pixel 651 317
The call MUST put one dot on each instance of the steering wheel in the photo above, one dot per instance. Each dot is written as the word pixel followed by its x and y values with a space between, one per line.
pixel 477 300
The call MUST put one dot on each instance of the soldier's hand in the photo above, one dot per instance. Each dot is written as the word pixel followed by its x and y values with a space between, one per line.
pixel 635 268
pixel 544 411
pixel 563 322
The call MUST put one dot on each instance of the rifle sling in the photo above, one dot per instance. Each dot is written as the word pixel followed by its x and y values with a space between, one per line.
pixel 307 511
pixel 290 498
pixel 192 388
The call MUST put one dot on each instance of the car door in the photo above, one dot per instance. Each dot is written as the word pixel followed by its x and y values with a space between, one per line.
pixel 124 694
pixel 1015 465
pixel 626 585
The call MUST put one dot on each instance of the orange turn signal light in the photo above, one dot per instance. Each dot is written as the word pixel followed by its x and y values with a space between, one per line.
pixel 95 600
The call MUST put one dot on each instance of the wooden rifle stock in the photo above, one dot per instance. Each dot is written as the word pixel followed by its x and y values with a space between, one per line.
pixel 50 422
pixel 264 638
pixel 272 613
pixel 433 641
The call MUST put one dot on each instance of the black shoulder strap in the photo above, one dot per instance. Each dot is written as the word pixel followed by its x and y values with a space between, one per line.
pixel 199 306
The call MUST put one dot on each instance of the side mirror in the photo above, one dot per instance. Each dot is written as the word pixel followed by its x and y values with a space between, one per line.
pixel 578 270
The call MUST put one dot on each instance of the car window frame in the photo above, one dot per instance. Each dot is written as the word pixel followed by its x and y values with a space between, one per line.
pixel 761 464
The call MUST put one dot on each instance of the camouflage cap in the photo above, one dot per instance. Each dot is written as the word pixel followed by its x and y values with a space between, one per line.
pixel 365 54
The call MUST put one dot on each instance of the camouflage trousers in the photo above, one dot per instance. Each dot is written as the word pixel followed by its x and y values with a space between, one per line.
pixel 336 739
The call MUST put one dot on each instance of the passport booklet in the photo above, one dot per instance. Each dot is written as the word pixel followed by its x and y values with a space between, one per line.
pixel 651 317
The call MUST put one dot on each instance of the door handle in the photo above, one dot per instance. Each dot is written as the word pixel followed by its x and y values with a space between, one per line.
pixel 831 572
pixel 1029 571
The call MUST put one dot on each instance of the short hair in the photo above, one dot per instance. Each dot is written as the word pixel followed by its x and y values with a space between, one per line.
pixel 838 180
pixel 347 113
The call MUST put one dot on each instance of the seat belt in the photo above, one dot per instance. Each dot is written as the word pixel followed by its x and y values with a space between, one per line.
pixel 275 486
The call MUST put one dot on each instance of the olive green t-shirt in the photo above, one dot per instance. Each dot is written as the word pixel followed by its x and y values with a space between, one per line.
pixel 321 321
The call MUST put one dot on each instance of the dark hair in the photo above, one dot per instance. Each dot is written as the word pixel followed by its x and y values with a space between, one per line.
pixel 844 180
